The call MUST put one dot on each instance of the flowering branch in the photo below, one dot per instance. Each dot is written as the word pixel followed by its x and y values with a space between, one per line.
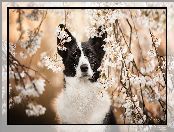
pixel 26 86
pixel 137 89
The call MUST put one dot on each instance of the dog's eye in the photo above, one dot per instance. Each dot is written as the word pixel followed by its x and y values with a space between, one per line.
pixel 76 54
pixel 89 54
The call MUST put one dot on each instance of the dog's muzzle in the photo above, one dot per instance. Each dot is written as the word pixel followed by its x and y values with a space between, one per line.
pixel 84 70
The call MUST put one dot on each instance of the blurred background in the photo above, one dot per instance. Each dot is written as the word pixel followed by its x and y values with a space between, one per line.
pixel 48 44
pixel 78 22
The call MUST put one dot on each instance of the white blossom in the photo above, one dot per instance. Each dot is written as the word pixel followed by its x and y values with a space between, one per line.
pixel 23 55
pixel 35 110
pixel 31 45
pixel 129 58
pixel 12 48
pixel 158 42
pixel 40 84
pixel 48 62
pixel 32 89
pixel 17 99
pixel 63 37
pixel 22 74
pixel 151 53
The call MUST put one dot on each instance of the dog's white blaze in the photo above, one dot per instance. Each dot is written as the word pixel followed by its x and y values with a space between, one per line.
pixel 83 60
pixel 82 102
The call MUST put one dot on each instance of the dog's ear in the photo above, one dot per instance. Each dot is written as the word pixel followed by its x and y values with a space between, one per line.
pixel 65 40
pixel 98 41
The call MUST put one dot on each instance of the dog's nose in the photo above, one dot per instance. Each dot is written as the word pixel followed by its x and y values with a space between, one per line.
pixel 84 67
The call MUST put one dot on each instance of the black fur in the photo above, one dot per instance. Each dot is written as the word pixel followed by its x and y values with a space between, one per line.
pixel 71 55
pixel 109 118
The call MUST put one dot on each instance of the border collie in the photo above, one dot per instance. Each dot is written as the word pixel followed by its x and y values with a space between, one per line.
pixel 81 102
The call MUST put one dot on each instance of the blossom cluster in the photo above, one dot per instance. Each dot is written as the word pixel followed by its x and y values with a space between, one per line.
pixel 152 18
pixel 63 37
pixel 51 63
pixel 35 14
pixel 35 109
pixel 147 80
pixel 23 86
pixel 33 89
pixel 31 45
pixel 12 48
pixel 29 39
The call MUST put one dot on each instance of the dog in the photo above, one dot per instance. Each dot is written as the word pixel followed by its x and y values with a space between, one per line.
pixel 81 101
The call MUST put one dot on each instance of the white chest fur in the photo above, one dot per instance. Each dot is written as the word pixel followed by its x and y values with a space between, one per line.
pixel 81 102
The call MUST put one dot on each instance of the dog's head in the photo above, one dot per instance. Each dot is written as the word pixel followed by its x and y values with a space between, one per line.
pixel 82 60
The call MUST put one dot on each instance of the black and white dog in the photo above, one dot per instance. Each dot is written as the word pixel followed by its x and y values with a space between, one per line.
pixel 81 102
